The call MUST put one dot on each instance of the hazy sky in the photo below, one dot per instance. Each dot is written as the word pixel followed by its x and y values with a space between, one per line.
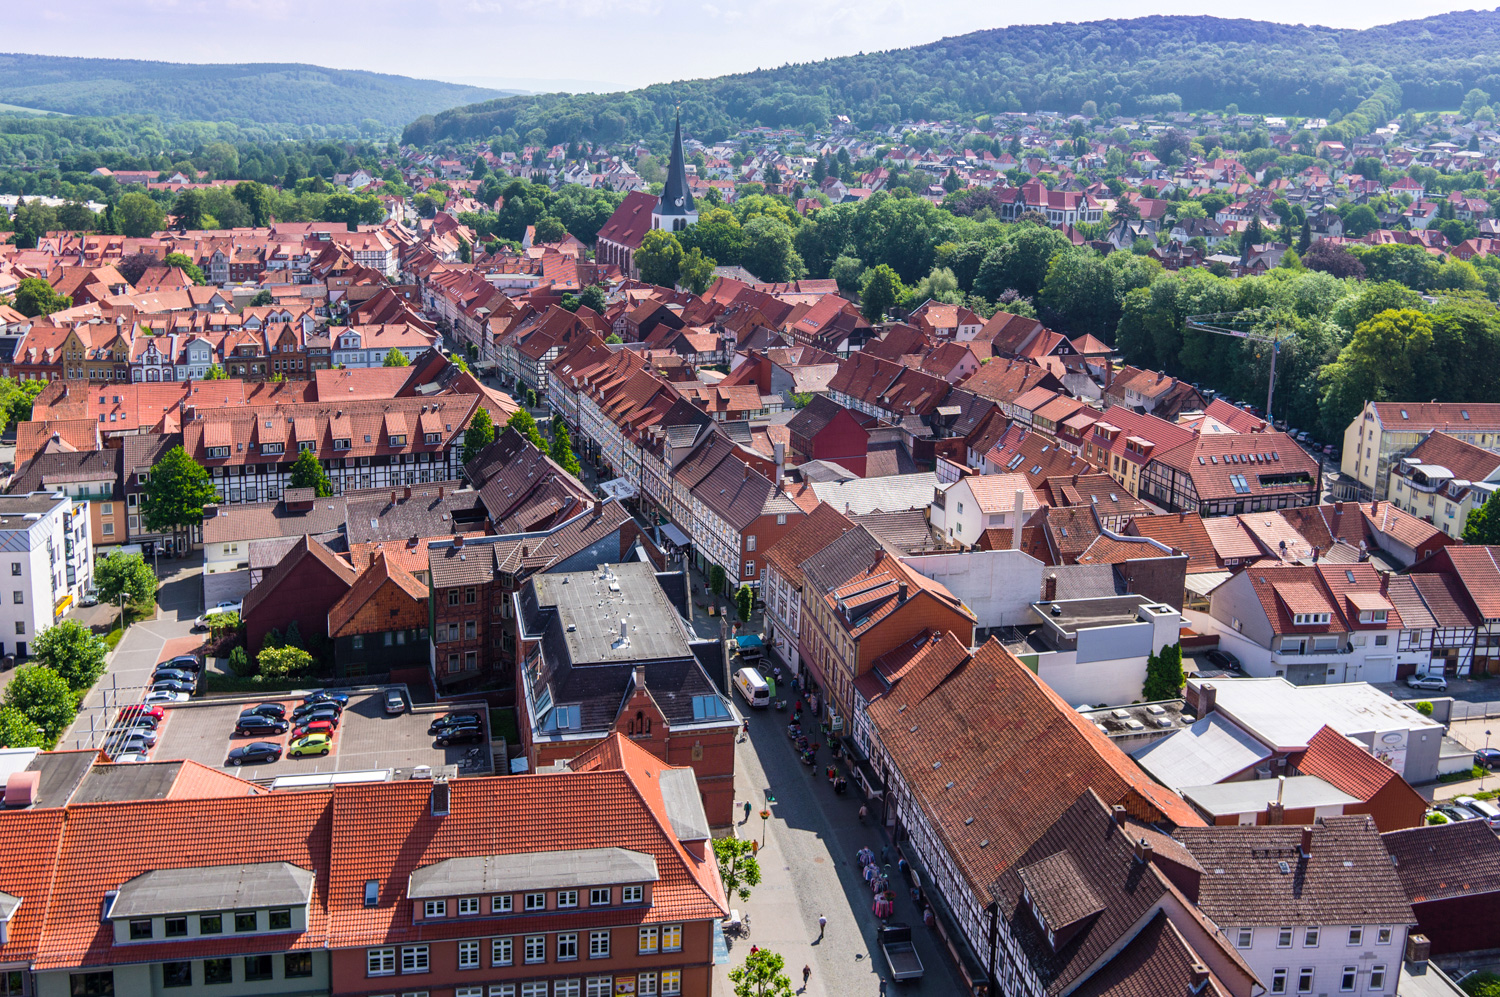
pixel 584 44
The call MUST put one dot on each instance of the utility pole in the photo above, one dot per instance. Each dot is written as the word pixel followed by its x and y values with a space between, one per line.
pixel 1229 323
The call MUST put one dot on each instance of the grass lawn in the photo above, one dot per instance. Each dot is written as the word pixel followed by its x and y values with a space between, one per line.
pixel 503 725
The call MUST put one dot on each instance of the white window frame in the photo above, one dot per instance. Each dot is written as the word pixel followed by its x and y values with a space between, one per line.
pixel 1305 979
pixel 648 940
pixel 671 982
pixel 596 894
pixel 1349 980
pixel 468 905
pixel 599 986
pixel 435 908
pixel 1244 938
pixel 502 952
pixel 1284 937
pixel 415 959
pixel 503 903
pixel 645 984
pixel 534 949
pixel 598 944
pixel 380 962
pixel 1311 937
pixel 468 954
pixel 1377 976
pixel 671 938
pixel 535 901
pixel 1356 936
pixel 1278 981
pixel 567 946
pixel 572 987
pixel 567 898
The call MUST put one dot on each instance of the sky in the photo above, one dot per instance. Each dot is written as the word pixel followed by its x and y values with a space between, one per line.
pixel 546 45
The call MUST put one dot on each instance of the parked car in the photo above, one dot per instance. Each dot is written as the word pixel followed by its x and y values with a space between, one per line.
pixel 394 701
pixel 156 696
pixel 461 735
pixel 274 710
pixel 1455 811
pixel 228 606
pixel 145 721
pixel 1328 450
pixel 203 622
pixel 132 756
pixel 140 709
pixel 1223 659
pixel 1435 683
pixel 89 598
pixel 131 740
pixel 184 663
pixel 188 679
pixel 1487 811
pixel 453 720
pixel 312 744
pixel 172 685
pixel 254 723
pixel 313 727
pixel 1488 757
pixel 326 696
pixel 330 717
pixel 326 706
pixel 255 751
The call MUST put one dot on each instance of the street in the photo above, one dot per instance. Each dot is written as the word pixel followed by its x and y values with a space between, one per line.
pixel 808 868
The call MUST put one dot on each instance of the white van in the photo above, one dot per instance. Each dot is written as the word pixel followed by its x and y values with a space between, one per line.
pixel 750 684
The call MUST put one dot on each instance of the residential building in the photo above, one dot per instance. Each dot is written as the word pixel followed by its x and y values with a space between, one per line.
pixel 1383 432
pixel 47 543
pixel 90 478
pixel 1094 651
pixel 975 503
pixel 1443 479
pixel 1473 574
pixel 1451 876
pixel 1224 474
pixel 825 430
pixel 782 579
pixel 359 346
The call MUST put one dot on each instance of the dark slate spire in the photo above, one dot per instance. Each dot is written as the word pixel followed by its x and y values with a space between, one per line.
pixel 676 198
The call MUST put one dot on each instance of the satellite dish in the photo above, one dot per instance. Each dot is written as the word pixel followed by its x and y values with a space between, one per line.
pixel 679 202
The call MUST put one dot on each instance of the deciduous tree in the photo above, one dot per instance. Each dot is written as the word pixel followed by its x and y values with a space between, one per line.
pixel 125 574
pixel 479 434
pixel 738 868
pixel 175 494
pixel 395 358
pixel 138 216
pixel 659 258
pixel 73 651
pixel 307 472
pixel 44 697
pixel 762 975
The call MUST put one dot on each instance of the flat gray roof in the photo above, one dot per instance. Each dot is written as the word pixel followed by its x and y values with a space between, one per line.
pixel 1287 716
pixel 590 608
pixel 532 870
pixel 1206 752
pixel 679 791
pixel 1300 792
pixel 214 887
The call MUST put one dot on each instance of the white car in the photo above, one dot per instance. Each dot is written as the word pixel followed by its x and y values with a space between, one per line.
pixel 202 622
pixel 133 756
pixel 164 696
pixel 1484 809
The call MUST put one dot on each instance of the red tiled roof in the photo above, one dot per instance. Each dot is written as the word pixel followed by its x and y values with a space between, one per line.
pixel 1344 765
pixel 28 844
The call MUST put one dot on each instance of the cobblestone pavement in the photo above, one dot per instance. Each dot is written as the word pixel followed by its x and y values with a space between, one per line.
pixel 808 869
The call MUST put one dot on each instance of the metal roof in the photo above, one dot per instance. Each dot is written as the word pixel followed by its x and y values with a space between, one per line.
pixel 213 888
pixel 531 870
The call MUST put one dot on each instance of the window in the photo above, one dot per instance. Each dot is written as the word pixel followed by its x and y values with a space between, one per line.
pixel 296 965
pixel 1278 981
pixel 1346 981
pixel 749 569
pixel 280 920
pixel 500 952
pixel 435 908
pixel 468 905
pixel 598 944
pixel 468 955
pixel 1382 936
pixel 503 990
pixel 648 941
pixel 15 569
pixel 414 958
pixel 567 898
pixel 453 597
pixel 210 924
pixel 109 529
pixel 469 596
pixel 750 542
pixel 632 894
pixel 244 920
pixel 469 992
pixel 1245 936
pixel 536 901
pixel 175 927
pixel 645 984
pixel 177 974
pixel 537 988
pixel 1310 940
pixel 501 904
pixel 103 985
pixel 1381 639
pixel 599 897
pixel 1356 936
pixel 21 627
pixel 1284 938
pixel 671 938
pixel 358 642
pixel 567 946
pixel 671 981
pixel 567 988
pixel 218 971
pixel 1305 980
pixel 1377 977
pixel 257 967
pixel 140 929
pixel 536 948
pixel 594 986
pixel 380 962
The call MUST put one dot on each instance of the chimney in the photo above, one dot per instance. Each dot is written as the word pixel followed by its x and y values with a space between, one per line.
pixel 1017 509
pixel 1118 812
pixel 779 449
pixel 901 593
pixel 1418 948
pixel 1275 814
pixel 413 541
pixel 210 511
pixel 458 541
pixel 1306 847
pixel 408 492
pixel 1049 588
pixel 1200 977
pixel 442 490
pixel 1208 696
pixel 747 472
pixel 393 498
pixel 1143 850
pixel 598 507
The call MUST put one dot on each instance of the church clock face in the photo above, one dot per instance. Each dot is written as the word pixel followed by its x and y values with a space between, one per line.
pixel 679 202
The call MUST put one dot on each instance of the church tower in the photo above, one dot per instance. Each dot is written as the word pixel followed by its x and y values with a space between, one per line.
pixel 675 210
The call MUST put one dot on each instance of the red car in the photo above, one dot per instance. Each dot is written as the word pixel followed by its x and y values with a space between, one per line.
pixel 314 727
pixel 140 708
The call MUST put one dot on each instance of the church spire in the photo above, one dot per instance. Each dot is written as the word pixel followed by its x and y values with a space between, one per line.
pixel 676 198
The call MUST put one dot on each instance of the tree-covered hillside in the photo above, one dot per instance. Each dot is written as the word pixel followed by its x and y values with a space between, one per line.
pixel 260 93
pixel 1128 66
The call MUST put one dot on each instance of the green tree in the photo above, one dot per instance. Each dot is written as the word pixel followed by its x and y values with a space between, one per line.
pixel 216 373
pixel 16 398
pixel 278 664
pixel 1385 360
pixel 479 434
pixel 307 472
pixel 176 493
pixel 73 651
pixel 193 271
pixel 697 271
pixel 880 289
pixel 138 216
pixel 593 297
pixel 395 358
pixel 549 229
pixel 1164 678
pixel 718 579
pixel 256 198
pixel 262 297
pixel 738 868
pixel 1360 221
pixel 846 272
pixel 523 423
pixel 659 259
pixel 34 297
pixel 18 731
pixel 762 975
pixel 1483 524
pixel 769 252
pixel 239 663
pixel 125 574
pixel 561 450
pixel 744 602
pixel 189 209
pixel 44 697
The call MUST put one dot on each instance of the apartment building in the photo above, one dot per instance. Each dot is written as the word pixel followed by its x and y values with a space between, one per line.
pixel 45 540
pixel 1386 431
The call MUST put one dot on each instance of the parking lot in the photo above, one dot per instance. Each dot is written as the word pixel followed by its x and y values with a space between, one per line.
pixel 367 738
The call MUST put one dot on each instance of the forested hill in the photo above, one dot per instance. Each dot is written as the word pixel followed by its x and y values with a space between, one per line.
pixel 1129 66
pixel 262 93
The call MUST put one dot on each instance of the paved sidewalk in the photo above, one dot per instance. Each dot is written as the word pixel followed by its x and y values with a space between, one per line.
pixel 808 868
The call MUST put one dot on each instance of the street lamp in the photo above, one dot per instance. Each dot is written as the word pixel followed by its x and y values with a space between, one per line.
pixel 1484 768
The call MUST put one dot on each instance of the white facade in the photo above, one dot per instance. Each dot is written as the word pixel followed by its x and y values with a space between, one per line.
pixel 48 559
pixel 1106 664
pixel 352 349
pixel 963 515
pixel 998 585
pixel 1321 959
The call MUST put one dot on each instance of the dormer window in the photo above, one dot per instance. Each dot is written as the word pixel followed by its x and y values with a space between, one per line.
pixel 304 447
pixel 1372 616
pixel 341 444
pixel 272 447
pixel 432 439
pixel 435 908
pixel 1310 619
pixel 398 441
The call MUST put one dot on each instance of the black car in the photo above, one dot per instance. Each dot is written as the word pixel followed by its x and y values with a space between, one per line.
pixel 274 710
pixel 256 751
pixel 308 709
pixel 341 699
pixel 184 662
pixel 454 720
pixel 312 716
pixel 254 723
pixel 171 685
pixel 1224 660
pixel 1488 757
pixel 174 675
pixel 461 735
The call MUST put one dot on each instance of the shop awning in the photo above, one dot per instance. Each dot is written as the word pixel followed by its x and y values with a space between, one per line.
pixel 1205 582
pixel 674 536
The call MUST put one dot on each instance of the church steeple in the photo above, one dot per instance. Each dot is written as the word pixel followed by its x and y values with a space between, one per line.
pixel 675 209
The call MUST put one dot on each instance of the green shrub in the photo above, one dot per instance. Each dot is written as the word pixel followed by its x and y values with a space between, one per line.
pixel 1423 707
pixel 1436 818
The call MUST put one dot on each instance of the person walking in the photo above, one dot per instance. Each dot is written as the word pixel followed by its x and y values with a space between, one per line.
pixel 822 926
pixel 806 972
pixel 748 808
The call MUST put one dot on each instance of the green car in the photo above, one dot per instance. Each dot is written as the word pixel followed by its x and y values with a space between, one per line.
pixel 312 744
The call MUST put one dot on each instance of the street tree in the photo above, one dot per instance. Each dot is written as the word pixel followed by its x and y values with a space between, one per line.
pixel 18 731
pixel 125 574
pixel 659 258
pixel 307 472
pixel 561 450
pixel 175 494
pixel 523 423
pixel 480 434
pixel 744 602
pixel 395 358
pixel 718 579
pixel 73 651
pixel 762 975
pixel 738 866
pixel 16 398
pixel 44 697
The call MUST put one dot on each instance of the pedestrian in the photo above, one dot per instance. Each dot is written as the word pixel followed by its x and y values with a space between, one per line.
pixel 748 808
pixel 754 847
pixel 806 972
pixel 754 949
pixel 822 926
